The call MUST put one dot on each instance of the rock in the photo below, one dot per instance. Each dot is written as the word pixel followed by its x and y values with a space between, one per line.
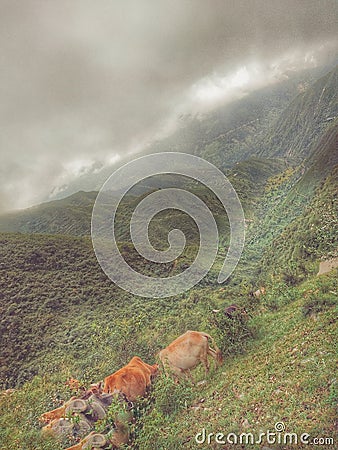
pixel 327 265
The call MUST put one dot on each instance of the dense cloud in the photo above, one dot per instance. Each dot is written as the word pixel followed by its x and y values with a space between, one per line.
pixel 85 82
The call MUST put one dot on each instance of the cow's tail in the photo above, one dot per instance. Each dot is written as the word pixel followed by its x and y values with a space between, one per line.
pixel 216 352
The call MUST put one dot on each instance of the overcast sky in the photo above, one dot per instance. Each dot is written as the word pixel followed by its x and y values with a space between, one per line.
pixel 85 82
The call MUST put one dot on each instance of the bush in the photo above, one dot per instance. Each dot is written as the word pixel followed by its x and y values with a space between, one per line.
pixel 154 413
pixel 279 295
pixel 316 303
pixel 233 332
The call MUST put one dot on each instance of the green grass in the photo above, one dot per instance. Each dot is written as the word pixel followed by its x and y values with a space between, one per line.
pixel 311 236
pixel 60 316
pixel 285 373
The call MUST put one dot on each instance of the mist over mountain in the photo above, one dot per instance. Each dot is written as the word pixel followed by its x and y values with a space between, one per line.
pixel 81 94
pixel 226 134
pixel 290 124
pixel 253 90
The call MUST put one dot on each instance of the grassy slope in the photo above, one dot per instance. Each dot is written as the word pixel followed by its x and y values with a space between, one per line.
pixel 286 374
pixel 304 120
pixel 289 200
pixel 53 294
pixel 71 215
pixel 311 236
pixel 61 317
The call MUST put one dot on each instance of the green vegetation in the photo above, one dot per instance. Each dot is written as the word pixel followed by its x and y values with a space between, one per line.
pixel 294 253
pixel 61 317
pixel 71 215
pixel 304 120
pixel 285 373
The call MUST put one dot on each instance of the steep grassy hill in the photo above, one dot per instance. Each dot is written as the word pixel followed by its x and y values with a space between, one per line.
pixel 284 206
pixel 312 236
pixel 283 373
pixel 304 120
pixel 71 215
pixel 61 317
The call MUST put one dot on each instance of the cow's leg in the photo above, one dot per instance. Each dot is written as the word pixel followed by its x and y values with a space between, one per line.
pixel 177 373
pixel 213 354
pixel 188 375
pixel 204 360
pixel 206 365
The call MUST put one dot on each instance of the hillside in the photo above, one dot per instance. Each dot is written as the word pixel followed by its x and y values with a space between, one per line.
pixel 310 237
pixel 304 120
pixel 284 374
pixel 287 198
pixel 56 286
pixel 71 215
pixel 61 317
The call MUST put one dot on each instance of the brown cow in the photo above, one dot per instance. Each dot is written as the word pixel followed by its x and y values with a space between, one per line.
pixel 57 413
pixel 132 380
pixel 187 351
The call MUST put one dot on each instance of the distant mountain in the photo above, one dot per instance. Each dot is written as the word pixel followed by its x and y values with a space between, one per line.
pixel 229 134
pixel 304 120
pixel 71 215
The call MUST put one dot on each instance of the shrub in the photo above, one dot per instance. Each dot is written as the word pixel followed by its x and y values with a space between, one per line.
pixel 316 303
pixel 154 413
pixel 233 332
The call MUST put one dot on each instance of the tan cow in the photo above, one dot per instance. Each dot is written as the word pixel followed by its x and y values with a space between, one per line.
pixel 132 380
pixel 57 413
pixel 60 412
pixel 187 351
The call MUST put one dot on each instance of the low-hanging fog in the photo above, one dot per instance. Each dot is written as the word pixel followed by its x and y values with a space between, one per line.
pixel 84 83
